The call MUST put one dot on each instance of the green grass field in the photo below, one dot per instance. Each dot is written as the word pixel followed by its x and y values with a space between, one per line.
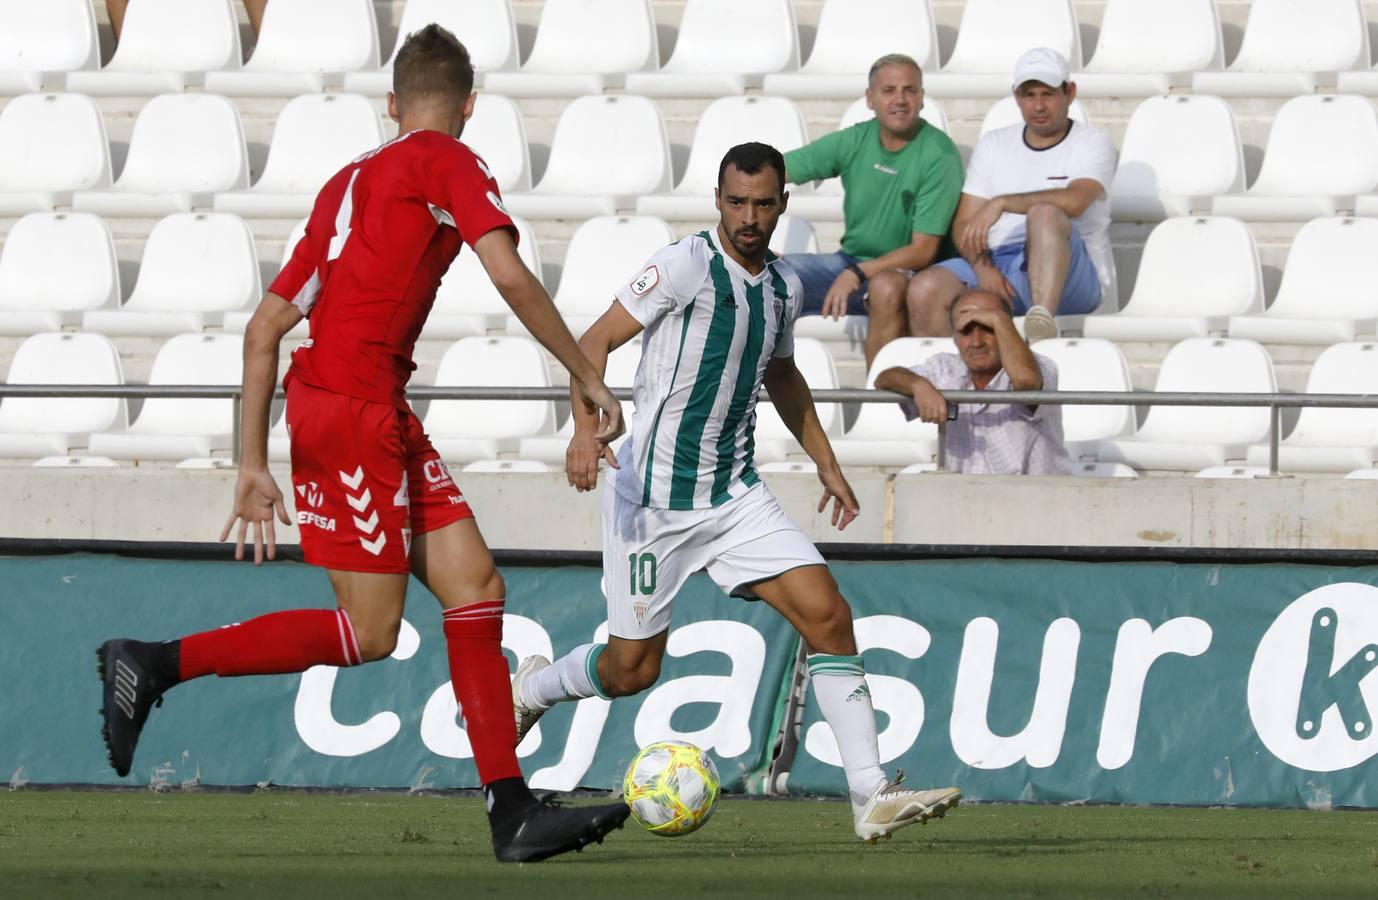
pixel 289 844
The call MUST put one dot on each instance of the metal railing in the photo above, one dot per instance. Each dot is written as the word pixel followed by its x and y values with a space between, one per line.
pixel 1275 403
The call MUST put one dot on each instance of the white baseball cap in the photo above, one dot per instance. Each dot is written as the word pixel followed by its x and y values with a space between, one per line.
pixel 1042 65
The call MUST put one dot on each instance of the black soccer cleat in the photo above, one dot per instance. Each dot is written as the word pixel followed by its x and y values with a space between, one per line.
pixel 128 670
pixel 547 829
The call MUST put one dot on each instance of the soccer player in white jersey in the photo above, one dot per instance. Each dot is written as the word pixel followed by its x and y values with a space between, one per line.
pixel 718 312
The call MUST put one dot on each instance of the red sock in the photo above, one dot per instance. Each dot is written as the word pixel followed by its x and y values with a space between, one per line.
pixel 291 641
pixel 481 682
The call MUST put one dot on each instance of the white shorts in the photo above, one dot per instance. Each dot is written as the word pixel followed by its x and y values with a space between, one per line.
pixel 648 554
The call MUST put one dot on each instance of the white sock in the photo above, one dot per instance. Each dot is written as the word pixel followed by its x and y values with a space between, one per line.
pixel 839 683
pixel 573 676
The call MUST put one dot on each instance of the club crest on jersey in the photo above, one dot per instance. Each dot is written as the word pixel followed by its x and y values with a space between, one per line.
pixel 645 281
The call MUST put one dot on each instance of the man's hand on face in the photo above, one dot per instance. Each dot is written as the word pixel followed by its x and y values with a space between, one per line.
pixel 985 317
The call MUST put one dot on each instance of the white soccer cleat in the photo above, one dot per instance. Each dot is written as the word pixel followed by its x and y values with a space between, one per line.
pixel 894 806
pixel 527 716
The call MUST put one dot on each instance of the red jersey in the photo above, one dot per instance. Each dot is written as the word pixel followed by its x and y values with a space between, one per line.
pixel 383 232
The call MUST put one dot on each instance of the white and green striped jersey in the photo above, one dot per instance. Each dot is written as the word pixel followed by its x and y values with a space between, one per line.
pixel 711 328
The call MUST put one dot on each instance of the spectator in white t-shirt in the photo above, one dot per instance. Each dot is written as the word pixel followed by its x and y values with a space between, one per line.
pixel 986 438
pixel 1033 221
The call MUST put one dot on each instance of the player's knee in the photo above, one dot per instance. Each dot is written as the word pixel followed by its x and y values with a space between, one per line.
pixel 1045 218
pixel 626 680
pixel 494 588
pixel 376 642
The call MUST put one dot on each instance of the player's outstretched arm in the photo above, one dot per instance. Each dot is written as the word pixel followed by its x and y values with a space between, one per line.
pixel 256 495
pixel 532 306
pixel 794 402
pixel 613 329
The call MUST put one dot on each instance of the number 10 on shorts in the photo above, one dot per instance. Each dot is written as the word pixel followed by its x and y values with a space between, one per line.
pixel 641 572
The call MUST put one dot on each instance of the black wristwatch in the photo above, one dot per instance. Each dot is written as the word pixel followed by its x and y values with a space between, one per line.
pixel 860 275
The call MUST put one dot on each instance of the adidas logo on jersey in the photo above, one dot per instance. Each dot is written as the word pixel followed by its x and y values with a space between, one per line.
pixel 727 301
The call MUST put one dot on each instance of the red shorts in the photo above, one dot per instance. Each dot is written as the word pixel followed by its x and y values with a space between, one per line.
pixel 365 478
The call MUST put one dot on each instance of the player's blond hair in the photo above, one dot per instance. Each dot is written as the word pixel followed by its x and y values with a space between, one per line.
pixel 432 63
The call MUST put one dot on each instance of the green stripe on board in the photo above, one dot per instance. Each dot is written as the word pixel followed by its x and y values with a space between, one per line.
pixel 685 474
pixel 742 393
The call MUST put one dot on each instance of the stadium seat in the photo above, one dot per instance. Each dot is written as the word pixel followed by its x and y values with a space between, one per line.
pixel 54 267
pixel 166 45
pixel 607 151
pixel 843 52
pixel 1088 364
pixel 518 466
pixel 793 235
pixel 236 321
pixel 1194 274
pixel 1191 438
pixel 1145 49
pixel 1178 152
pixel 993 35
pixel 604 253
pixel 881 436
pixel 279 440
pixel 1322 151
pixel 728 121
pixel 1102 470
pixel 41 41
pixel 824 203
pixel 774 442
pixel 1329 289
pixel 466 303
pixel 1233 472
pixel 177 428
pixel 1006 112
pixel 76 462
pixel 316 136
pixel 620 373
pixel 712 58
pixel 1363 475
pixel 41 426
pixel 196 266
pixel 50 145
pixel 1292 48
pixel 496 133
pixel 295 55
pixel 487 29
pixel 467 430
pixel 1327 439
pixel 583 48
pixel 185 148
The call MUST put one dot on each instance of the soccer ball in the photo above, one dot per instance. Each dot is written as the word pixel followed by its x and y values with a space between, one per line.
pixel 671 787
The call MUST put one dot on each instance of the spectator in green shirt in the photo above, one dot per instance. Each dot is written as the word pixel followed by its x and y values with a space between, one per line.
pixel 902 179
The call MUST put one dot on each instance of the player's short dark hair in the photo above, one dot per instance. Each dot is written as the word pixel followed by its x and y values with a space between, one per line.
pixel 751 157
pixel 432 62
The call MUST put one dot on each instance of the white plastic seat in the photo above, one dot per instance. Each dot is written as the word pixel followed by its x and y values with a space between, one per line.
pixel 993 35
pixel 1194 274
pixel 185 148
pixel 603 254
pixel 496 133
pixel 236 321
pixel 487 29
pixel 1363 475
pixel 848 41
pixel 881 436
pixel 1088 364
pixel 1145 49
pixel 1292 48
pixel 196 266
pixel 1233 472
pixel 41 41
pixel 54 267
pixel 50 146
pixel 466 303
pixel 176 428
pixel 1322 151
pixel 1005 112
pixel 1178 152
pixel 607 151
pixel 166 45
pixel 1102 470
pixel 466 430
pixel 583 48
pixel 793 235
pixel 39 427
pixel 619 373
pixel 774 442
pixel 279 440
pixel 517 466
pixel 295 54
pixel 316 136
pixel 1332 440
pixel 727 122
pixel 1329 288
pixel 1191 438
pixel 76 462
pixel 712 58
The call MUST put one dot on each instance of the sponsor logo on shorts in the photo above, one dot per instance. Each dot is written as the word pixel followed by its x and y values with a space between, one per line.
pixel 643 283
pixel 311 494
pixel 363 505
pixel 306 517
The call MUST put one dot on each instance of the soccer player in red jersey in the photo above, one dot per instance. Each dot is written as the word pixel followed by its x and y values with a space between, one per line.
pixel 374 500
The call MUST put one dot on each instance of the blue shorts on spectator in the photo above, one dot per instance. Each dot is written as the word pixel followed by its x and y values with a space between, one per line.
pixel 1080 294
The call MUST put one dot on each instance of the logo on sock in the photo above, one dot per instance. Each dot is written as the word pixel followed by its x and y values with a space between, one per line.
pixel 861 693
